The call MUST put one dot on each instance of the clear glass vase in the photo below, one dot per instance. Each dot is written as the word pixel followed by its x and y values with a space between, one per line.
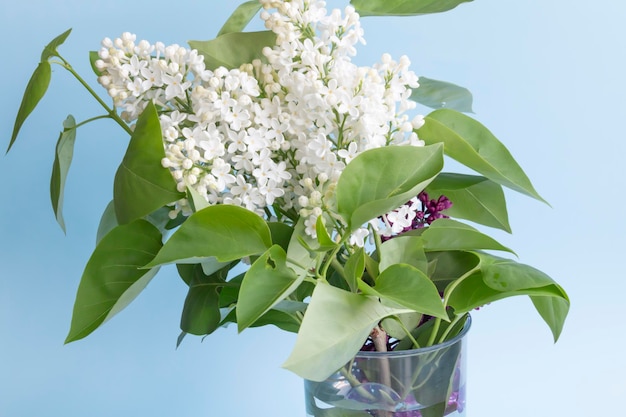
pixel 426 382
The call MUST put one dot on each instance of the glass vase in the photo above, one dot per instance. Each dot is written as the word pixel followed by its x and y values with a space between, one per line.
pixel 425 382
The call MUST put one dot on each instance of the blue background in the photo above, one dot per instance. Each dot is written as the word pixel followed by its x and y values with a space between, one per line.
pixel 548 80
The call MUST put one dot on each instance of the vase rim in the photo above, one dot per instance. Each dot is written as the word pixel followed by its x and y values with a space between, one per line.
pixel 410 352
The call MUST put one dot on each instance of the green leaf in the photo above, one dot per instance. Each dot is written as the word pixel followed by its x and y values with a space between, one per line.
pixel 284 321
pixel 334 328
pixel 161 219
pixel 409 287
pixel 35 90
pixel 380 180
pixel 212 265
pixel 201 312
pixel 448 234
pixel 403 249
pixel 230 293
pixel 473 292
pixel 473 145
pixel 37 86
pixel 281 234
pixel 196 201
pixel 553 310
pixel 93 57
pixel 233 49
pixel 299 258
pixel 326 243
pixel 447 266
pixel 180 338
pixel 393 327
pixel 62 161
pixel 240 17
pixel 268 281
pixel 441 94
pixel 403 7
pixel 372 267
pixel 225 232
pixel 474 198
pixel 113 276
pixel 108 222
pixel 354 269
pixel 141 184
pixel 507 275
pixel 51 49
pixel 500 278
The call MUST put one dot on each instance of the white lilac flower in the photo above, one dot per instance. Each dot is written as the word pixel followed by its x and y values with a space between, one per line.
pixel 357 237
pixel 278 133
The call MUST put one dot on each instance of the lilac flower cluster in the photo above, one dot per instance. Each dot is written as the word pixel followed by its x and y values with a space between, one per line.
pixel 417 213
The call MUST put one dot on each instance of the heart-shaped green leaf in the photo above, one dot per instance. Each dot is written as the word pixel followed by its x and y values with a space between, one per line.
pixel 113 276
pixel 408 287
pixel 380 180
pixel 62 161
pixel 225 232
pixel 447 266
pixel 141 184
pixel 403 249
pixel 473 145
pixel 334 328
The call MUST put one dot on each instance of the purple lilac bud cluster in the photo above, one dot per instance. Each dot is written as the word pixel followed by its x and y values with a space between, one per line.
pixel 417 213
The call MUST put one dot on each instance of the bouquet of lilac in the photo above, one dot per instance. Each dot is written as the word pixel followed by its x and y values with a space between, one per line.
pixel 274 154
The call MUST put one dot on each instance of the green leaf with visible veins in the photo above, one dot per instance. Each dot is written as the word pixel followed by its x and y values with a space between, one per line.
pixel 113 276
pixel 474 198
pixel 225 232
pixel 382 179
pixel 142 184
pixel 408 287
pixel 500 278
pixel 472 144
pixel 334 328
